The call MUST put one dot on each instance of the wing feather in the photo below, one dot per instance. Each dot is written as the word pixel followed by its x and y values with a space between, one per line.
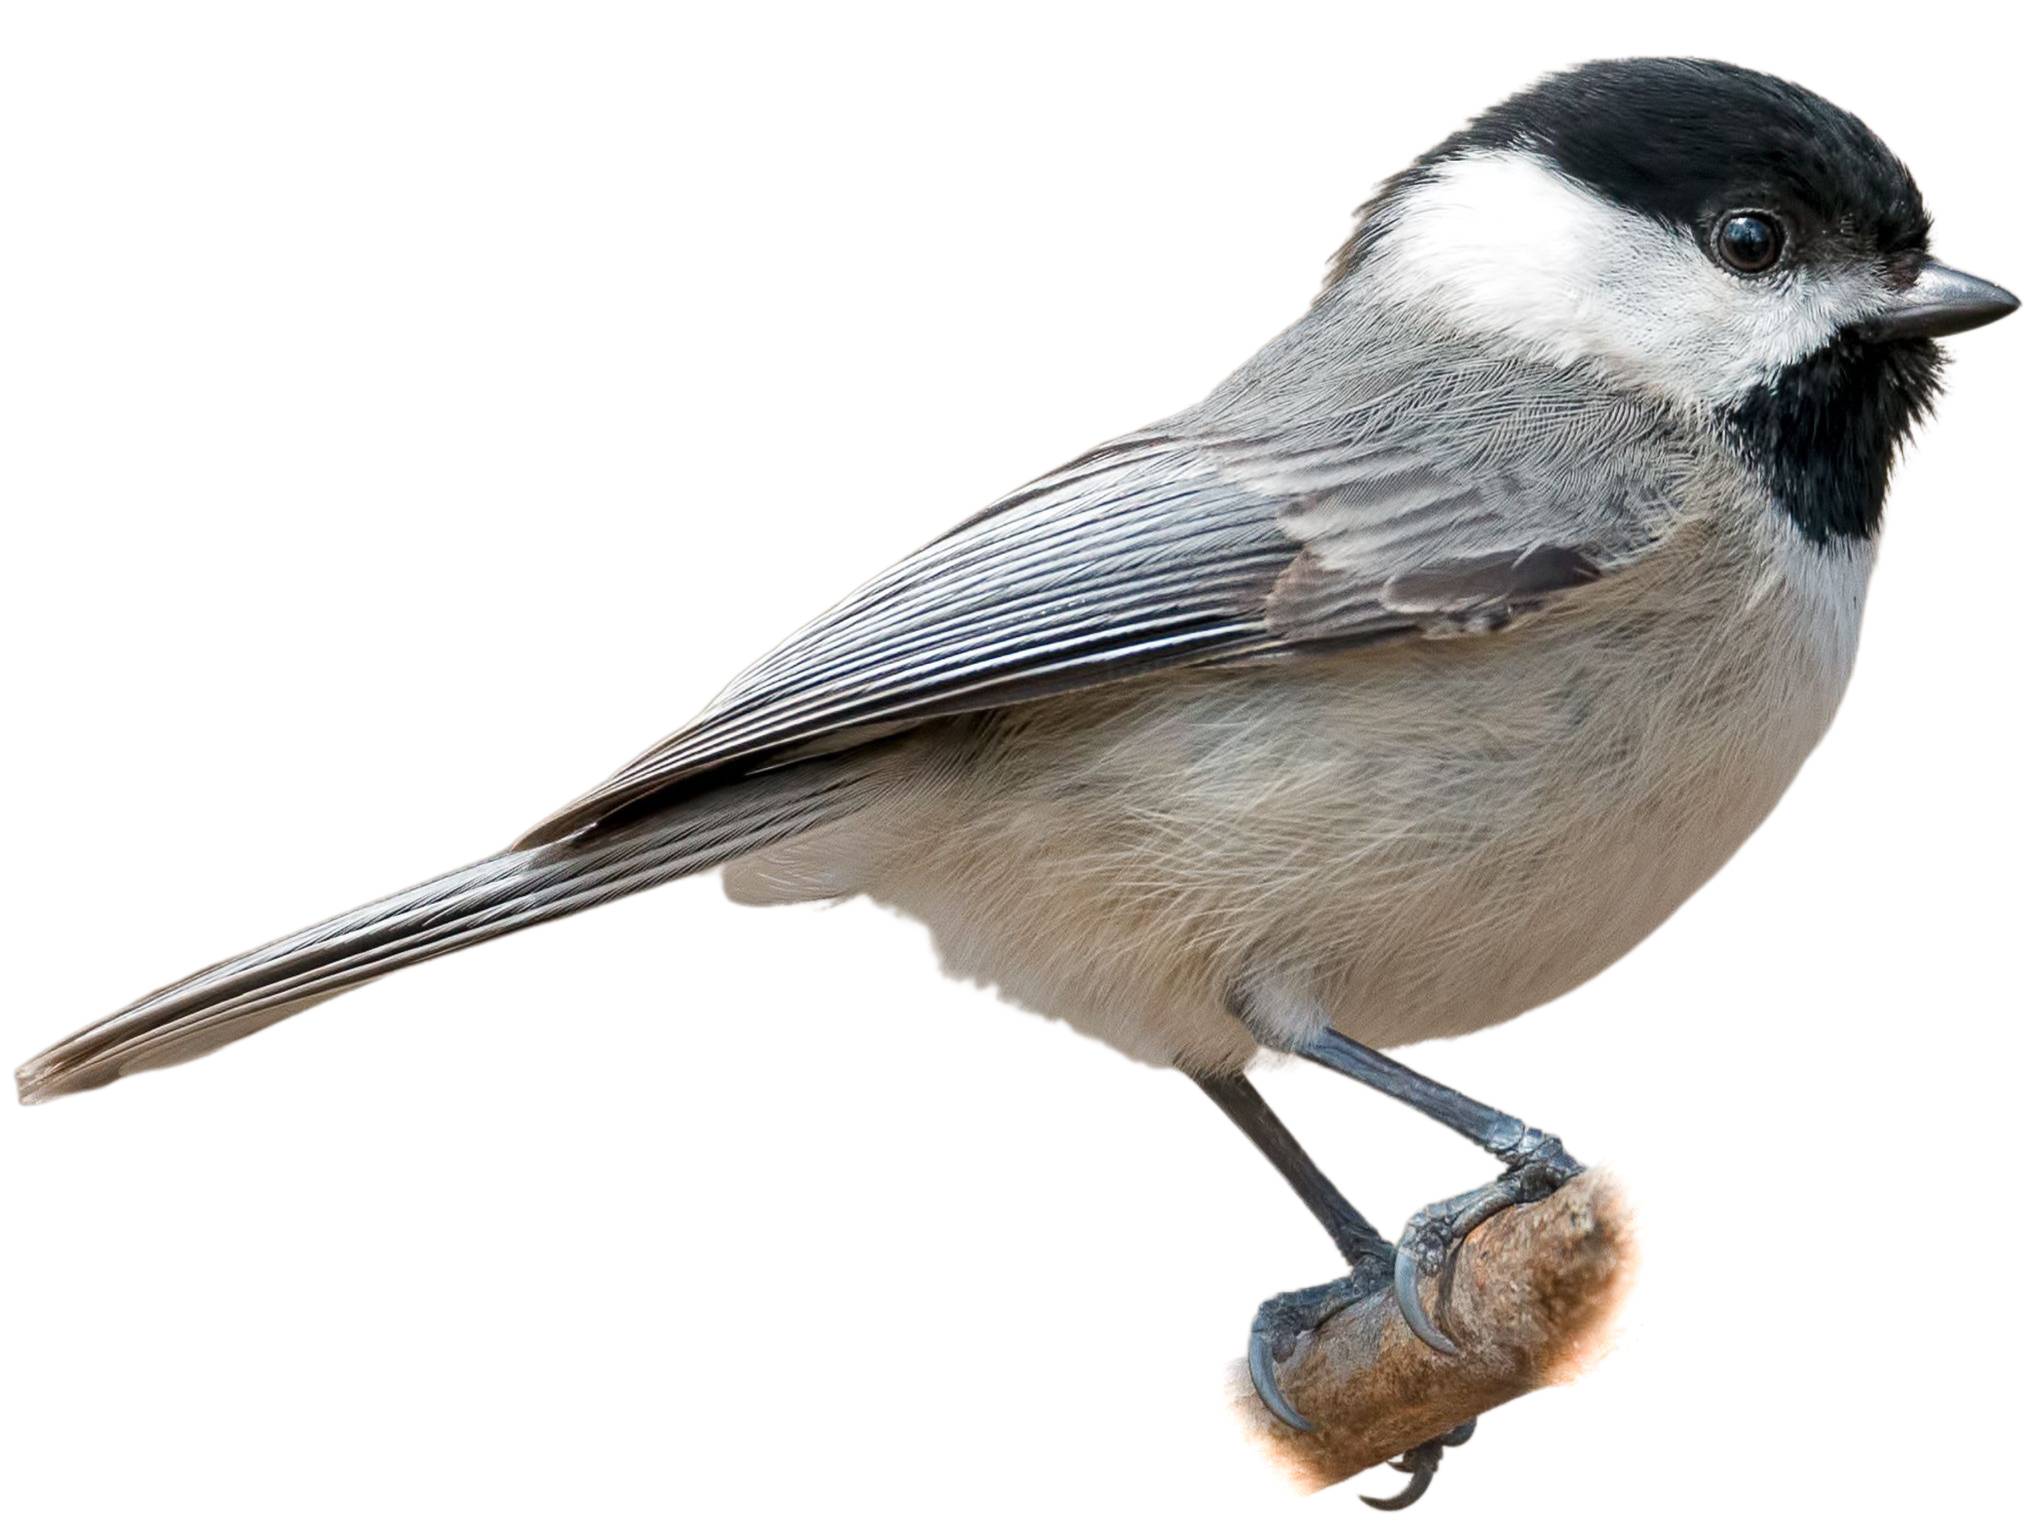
pixel 1187 544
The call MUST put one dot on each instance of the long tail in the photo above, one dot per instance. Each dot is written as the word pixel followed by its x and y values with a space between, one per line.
pixel 496 896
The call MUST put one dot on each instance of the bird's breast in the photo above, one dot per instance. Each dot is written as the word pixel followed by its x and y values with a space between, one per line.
pixel 1427 838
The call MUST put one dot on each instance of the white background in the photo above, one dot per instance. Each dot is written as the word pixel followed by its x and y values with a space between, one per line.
pixel 410 411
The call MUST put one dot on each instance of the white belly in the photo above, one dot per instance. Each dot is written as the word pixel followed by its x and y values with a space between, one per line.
pixel 1416 841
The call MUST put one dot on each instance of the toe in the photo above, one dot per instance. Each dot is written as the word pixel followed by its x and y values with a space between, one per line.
pixel 1406 1496
pixel 1263 1367
pixel 1420 1465
pixel 1407 1293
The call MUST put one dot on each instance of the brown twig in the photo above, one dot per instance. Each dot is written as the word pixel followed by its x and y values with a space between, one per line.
pixel 1528 1304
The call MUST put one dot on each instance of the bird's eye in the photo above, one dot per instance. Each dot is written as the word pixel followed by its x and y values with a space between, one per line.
pixel 1748 242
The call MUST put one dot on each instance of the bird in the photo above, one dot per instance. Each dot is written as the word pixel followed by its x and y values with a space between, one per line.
pixel 1402 684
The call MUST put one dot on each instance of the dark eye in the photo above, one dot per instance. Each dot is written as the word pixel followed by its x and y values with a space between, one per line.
pixel 1748 242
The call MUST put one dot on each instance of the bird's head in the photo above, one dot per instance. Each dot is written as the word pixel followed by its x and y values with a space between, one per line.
pixel 1718 238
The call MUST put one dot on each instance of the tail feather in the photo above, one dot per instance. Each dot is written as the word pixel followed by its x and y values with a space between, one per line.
pixel 485 900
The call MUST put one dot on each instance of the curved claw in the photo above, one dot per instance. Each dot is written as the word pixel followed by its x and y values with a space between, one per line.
pixel 1407 1495
pixel 1407 1294
pixel 1422 1462
pixel 1483 1205
pixel 1260 1364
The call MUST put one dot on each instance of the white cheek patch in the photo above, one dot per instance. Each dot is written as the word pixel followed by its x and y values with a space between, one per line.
pixel 1506 246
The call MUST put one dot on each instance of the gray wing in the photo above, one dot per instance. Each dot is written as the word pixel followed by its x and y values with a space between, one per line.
pixel 1194 543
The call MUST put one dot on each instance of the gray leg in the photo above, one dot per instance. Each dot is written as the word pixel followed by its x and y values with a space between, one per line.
pixel 1536 1166
pixel 1355 1236
pixel 1282 1321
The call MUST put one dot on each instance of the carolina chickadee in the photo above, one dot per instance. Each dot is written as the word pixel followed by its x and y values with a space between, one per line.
pixel 1399 686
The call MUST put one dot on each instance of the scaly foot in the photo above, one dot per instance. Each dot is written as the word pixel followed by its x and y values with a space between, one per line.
pixel 1285 1319
pixel 1422 1461
pixel 1537 1166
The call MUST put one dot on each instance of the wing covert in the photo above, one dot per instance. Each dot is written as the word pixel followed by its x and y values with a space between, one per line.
pixel 1178 546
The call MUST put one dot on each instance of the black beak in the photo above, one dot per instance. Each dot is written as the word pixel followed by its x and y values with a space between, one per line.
pixel 1941 301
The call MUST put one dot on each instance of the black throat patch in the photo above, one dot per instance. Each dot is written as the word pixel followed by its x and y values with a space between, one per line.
pixel 1824 434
